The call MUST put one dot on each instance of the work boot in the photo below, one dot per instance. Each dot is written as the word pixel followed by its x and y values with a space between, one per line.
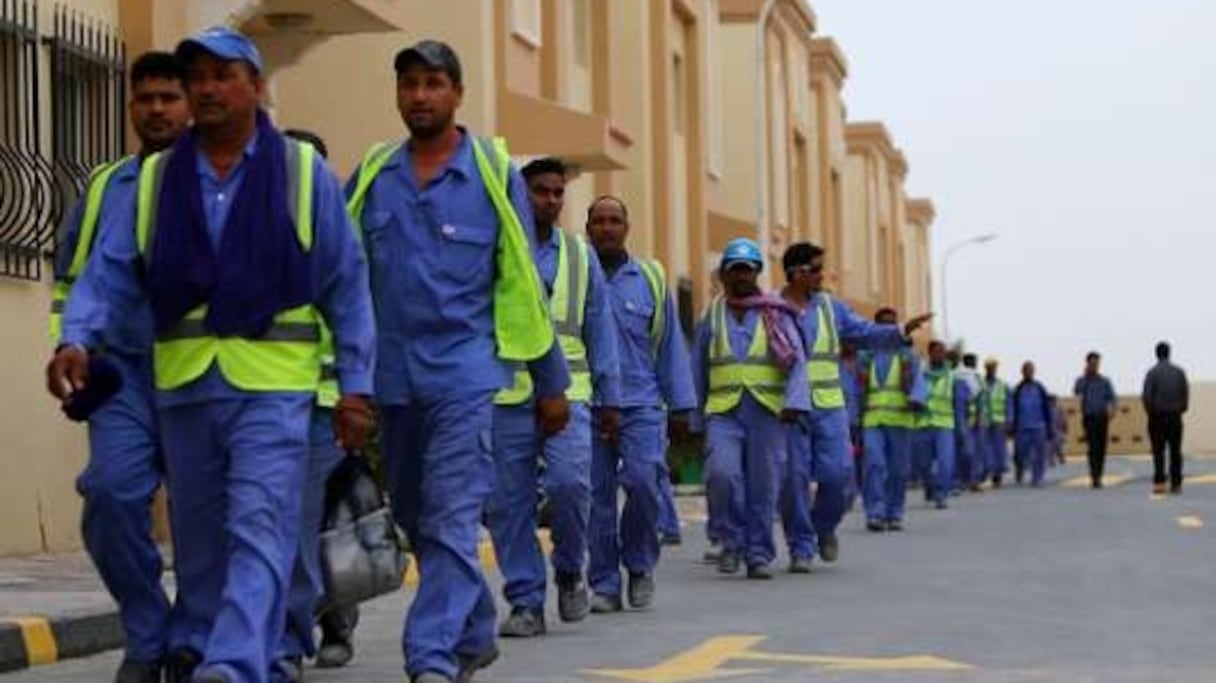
pixel 641 590
pixel 430 677
pixel 572 600
pixel 337 637
pixel 180 665
pixel 138 672
pixel 996 481
pixel 895 525
pixel 524 622
pixel 761 572
pixel 829 548
pixel 875 525
pixel 729 562
pixel 800 565
pixel 605 604
pixel 471 664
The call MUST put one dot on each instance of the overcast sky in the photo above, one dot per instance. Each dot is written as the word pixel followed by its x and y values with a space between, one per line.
pixel 1083 132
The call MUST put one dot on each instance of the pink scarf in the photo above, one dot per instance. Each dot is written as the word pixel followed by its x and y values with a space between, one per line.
pixel 781 348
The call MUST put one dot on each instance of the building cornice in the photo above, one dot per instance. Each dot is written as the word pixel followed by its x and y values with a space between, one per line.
pixel 920 210
pixel 868 136
pixel 748 11
pixel 828 60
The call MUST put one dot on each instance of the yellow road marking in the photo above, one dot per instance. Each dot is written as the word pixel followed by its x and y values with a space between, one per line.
pixel 1083 481
pixel 706 661
pixel 485 556
pixel 1190 522
pixel 40 647
pixel 1201 479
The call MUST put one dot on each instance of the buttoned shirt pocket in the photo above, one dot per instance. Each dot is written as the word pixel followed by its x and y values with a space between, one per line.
pixel 468 250
pixel 634 317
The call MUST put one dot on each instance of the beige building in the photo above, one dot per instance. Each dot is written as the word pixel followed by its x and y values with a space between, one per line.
pixel 712 119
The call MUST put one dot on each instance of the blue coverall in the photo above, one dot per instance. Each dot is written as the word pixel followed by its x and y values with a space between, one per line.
pixel 935 448
pixel 1032 425
pixel 888 450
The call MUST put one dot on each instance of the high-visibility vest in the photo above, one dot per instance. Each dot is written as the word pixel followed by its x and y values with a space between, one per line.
pixel 652 270
pixel 886 401
pixel 823 365
pixel 729 377
pixel 86 236
pixel 523 329
pixel 940 408
pixel 287 356
pixel 994 406
pixel 569 305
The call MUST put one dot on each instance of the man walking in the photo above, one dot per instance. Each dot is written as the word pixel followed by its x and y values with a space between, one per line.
pixel 1032 420
pixel 1098 405
pixel 996 413
pixel 972 470
pixel 1166 397
pixel 945 415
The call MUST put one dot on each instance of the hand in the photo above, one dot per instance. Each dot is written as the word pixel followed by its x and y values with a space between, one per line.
pixel 608 423
pixel 68 372
pixel 354 421
pixel 790 416
pixel 552 414
pixel 915 323
pixel 678 429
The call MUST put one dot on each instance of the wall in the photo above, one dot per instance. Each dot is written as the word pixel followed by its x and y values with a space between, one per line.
pixel 1129 429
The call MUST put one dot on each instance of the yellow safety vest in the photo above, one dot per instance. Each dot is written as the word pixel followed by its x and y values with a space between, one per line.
pixel 995 405
pixel 729 377
pixel 523 329
pixel 657 279
pixel 287 357
pixel 823 366
pixel 940 413
pixel 886 402
pixel 99 180
pixel 569 304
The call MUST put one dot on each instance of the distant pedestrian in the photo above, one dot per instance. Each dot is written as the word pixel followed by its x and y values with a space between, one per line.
pixel 1098 404
pixel 1166 397
pixel 1031 426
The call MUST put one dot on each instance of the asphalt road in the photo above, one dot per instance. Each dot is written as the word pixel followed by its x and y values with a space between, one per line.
pixel 1055 584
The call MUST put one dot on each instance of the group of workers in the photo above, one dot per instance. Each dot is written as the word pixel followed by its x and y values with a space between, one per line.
pixel 227 315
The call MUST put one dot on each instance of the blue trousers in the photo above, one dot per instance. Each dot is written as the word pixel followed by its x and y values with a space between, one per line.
pixel 744 470
pixel 511 512
pixel 235 469
pixel 1030 446
pixel 307 583
pixel 819 452
pixel 888 463
pixel 669 517
pixel 441 474
pixel 635 464
pixel 125 467
pixel 934 453
pixel 996 449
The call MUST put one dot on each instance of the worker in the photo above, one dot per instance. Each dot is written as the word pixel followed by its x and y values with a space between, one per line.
pixel 971 471
pixel 1099 405
pixel 657 399
pixel 751 380
pixel 1032 421
pixel 997 412
pixel 944 417
pixel 239 281
pixel 458 302
pixel 125 466
pixel 894 388
pixel 823 321
pixel 587 332
pixel 854 393
pixel 669 516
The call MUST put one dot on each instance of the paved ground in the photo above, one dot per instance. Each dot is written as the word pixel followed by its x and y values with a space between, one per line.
pixel 1057 584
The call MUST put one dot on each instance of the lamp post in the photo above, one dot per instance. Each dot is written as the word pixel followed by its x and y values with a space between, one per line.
pixel 954 248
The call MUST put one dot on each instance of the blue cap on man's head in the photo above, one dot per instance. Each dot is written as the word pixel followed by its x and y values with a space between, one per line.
pixel 739 251
pixel 222 42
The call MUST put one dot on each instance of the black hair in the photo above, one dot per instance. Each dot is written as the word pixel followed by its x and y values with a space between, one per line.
pixel 1163 350
pixel 1092 355
pixel 155 64
pixel 800 254
pixel 543 165
pixel 309 137
pixel 937 343
pixel 885 311
pixel 970 360
pixel 608 198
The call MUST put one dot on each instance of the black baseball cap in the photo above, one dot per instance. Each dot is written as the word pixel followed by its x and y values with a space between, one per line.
pixel 432 53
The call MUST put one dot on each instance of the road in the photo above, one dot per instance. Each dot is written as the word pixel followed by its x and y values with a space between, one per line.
pixel 1059 584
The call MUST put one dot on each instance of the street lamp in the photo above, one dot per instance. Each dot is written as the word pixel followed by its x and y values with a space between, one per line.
pixel 957 246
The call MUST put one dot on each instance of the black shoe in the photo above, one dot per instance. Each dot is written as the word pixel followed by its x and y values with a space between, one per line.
pixel 829 548
pixel 430 677
pixel 572 601
pixel 996 481
pixel 211 677
pixel 1096 485
pixel 471 664
pixel 523 622
pixel 800 565
pixel 1176 489
pixel 138 672
pixel 671 539
pixel 876 526
pixel 1018 475
pixel 941 505
pixel 606 604
pixel 289 669
pixel 180 665
pixel 729 562
pixel 895 525
pixel 760 572
pixel 337 637
pixel 641 590
pixel 711 556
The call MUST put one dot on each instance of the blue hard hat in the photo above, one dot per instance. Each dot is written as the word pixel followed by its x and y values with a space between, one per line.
pixel 741 250
pixel 224 43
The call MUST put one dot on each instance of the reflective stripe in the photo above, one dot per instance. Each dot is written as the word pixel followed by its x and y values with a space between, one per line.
pixel 730 377
pixel 940 413
pixel 823 366
pixel 657 279
pixel 886 401
pixel 190 328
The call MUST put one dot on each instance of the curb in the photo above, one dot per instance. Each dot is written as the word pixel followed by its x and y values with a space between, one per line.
pixel 36 640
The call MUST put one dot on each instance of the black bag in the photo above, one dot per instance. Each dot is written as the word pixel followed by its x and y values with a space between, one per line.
pixel 362 553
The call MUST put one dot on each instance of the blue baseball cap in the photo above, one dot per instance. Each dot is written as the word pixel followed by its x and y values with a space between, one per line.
pixel 222 42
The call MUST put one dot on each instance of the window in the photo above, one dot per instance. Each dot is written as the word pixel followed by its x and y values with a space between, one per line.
pixel 525 21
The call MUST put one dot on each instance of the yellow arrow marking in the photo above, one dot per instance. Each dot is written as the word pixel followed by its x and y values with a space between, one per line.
pixel 1190 522
pixel 700 663
pixel 912 663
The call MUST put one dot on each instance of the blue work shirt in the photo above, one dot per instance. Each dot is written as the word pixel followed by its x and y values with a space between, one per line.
pixel 599 326
pixel 132 334
pixel 650 376
pixel 431 251
pixel 877 365
pixel 740 333
pixel 1031 409
pixel 852 328
pixel 1097 394
pixel 112 286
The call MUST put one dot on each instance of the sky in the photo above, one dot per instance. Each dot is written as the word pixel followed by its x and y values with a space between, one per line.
pixel 1083 133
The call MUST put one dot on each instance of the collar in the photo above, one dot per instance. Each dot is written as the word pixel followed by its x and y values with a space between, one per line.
pixel 206 169
pixel 462 162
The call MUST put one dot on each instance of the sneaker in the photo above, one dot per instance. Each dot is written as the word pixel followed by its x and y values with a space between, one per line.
pixel 524 622
pixel 138 672
pixel 895 525
pixel 761 572
pixel 641 590
pixel 800 565
pixel 471 664
pixel 180 665
pixel 875 525
pixel 572 601
pixel 729 562
pixel 829 548
pixel 605 604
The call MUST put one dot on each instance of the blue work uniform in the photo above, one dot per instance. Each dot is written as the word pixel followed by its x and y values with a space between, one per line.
pixel 1032 425
pixel 125 464
pixel 655 379
pixel 746 460
pixel 431 249
pixel 823 452
pixel 511 514
pixel 888 449
pixel 970 467
pixel 235 459
pixel 935 449
pixel 995 429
